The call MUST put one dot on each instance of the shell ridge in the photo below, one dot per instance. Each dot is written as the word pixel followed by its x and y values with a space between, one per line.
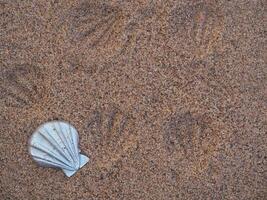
pixel 66 155
pixel 70 143
pixel 65 142
pixel 74 140
pixel 40 159
pixel 75 146
pixel 54 144
pixel 53 155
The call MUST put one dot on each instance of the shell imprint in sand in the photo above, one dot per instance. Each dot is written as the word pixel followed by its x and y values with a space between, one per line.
pixel 55 144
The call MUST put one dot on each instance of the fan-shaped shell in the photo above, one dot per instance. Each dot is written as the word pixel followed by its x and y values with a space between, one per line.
pixel 55 144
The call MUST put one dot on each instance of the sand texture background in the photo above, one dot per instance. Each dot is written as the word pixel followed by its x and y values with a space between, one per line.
pixel 169 97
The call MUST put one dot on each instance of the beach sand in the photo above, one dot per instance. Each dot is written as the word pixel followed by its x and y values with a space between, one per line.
pixel 168 97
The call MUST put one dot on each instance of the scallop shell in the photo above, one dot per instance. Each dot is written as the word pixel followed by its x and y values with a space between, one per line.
pixel 55 144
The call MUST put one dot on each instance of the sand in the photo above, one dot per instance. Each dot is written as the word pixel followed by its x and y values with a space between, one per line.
pixel 168 97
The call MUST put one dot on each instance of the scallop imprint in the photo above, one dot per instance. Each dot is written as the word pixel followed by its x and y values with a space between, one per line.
pixel 104 29
pixel 203 23
pixel 55 144
pixel 191 140
pixel 22 86
pixel 113 136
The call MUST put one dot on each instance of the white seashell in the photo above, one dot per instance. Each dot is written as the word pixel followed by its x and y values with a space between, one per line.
pixel 55 144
